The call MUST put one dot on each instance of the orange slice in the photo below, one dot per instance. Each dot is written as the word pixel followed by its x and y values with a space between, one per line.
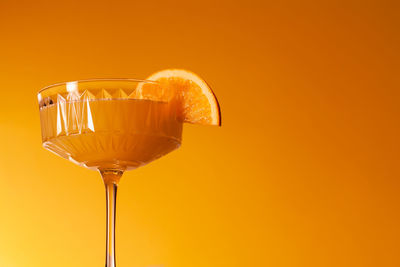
pixel 198 102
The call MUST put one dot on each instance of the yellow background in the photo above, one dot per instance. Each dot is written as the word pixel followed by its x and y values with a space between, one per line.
pixel 304 171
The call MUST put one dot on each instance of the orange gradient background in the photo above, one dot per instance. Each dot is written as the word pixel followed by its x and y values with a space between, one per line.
pixel 303 172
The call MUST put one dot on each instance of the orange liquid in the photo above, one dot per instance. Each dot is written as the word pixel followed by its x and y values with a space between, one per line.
pixel 110 134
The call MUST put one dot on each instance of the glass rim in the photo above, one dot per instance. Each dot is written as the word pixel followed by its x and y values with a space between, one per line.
pixel 134 80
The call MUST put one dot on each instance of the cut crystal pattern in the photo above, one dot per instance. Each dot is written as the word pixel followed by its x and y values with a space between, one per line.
pixel 107 127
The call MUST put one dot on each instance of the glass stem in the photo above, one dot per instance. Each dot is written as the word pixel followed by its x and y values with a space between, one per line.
pixel 111 179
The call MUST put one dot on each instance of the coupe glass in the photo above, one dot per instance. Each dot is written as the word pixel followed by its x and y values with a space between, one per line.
pixel 109 125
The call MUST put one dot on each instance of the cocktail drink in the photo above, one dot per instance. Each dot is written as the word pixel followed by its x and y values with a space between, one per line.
pixel 115 125
pixel 110 133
